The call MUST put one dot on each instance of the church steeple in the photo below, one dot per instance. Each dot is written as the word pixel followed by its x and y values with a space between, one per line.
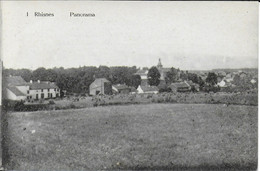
pixel 159 65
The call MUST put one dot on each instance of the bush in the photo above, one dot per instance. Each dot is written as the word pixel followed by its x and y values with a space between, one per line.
pixel 72 106
pixel 51 102
pixel 13 105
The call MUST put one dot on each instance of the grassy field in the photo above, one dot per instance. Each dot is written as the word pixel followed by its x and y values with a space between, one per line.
pixel 152 136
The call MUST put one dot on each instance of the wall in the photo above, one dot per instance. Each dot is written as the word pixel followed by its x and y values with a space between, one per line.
pixel 45 92
pixel 11 96
pixel 23 89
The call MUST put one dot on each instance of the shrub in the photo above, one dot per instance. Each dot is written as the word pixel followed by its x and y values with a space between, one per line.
pixel 51 102
pixel 72 106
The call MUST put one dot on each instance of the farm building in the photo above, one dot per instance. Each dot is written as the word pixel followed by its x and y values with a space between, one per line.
pixel 43 90
pixel 15 88
pixel 18 89
pixel 121 88
pixel 180 87
pixel 147 89
pixel 100 86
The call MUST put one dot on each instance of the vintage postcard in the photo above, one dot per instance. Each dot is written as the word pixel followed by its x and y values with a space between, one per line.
pixel 129 85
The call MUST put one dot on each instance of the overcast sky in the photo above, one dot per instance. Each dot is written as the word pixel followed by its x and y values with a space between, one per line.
pixel 187 35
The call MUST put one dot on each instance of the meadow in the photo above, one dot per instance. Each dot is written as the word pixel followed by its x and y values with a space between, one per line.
pixel 140 137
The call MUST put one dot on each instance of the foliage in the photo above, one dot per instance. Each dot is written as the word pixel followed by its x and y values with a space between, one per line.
pixel 171 76
pixel 135 81
pixel 184 75
pixel 78 80
pixel 153 76
pixel 212 78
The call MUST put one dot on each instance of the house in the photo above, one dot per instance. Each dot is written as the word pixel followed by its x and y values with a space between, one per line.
pixel 147 89
pixel 229 77
pixel 100 86
pixel 222 83
pixel 253 81
pixel 121 88
pixel 180 87
pixel 15 88
pixel 43 90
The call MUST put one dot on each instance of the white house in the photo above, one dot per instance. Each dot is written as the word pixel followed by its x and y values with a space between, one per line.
pixel 222 83
pixel 253 81
pixel 43 90
pixel 16 88
pixel 147 89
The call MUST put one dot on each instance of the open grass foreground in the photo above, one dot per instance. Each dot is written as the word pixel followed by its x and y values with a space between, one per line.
pixel 134 137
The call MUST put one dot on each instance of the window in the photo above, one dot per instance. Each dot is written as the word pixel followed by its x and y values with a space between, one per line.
pixel 28 91
pixel 48 90
pixel 55 89
pixel 42 90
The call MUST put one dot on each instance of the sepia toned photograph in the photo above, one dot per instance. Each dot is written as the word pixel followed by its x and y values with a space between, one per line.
pixel 129 85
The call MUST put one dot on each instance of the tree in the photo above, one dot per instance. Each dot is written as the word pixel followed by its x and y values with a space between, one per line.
pixel 171 76
pixel 153 76
pixel 183 75
pixel 103 72
pixel 212 79
pixel 135 81
pixel 193 77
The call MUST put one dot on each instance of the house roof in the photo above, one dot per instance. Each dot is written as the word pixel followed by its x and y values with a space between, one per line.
pixel 180 85
pixel 133 89
pixel 16 91
pixel 121 87
pixel 141 72
pixel 98 81
pixel 149 88
pixel 42 85
pixel 15 81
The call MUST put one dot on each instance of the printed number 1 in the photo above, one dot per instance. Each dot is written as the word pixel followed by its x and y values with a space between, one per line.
pixel 27 14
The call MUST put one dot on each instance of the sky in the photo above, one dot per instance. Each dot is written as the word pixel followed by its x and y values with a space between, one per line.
pixel 186 35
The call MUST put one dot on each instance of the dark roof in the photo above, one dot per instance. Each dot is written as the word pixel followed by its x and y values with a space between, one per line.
pixel 15 81
pixel 141 72
pixel 149 88
pixel 42 85
pixel 180 85
pixel 99 80
pixel 133 89
pixel 16 91
pixel 121 87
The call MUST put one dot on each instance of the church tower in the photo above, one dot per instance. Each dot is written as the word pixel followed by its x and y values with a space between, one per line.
pixel 159 65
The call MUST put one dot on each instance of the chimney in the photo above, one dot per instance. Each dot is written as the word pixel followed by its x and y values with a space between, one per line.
pixel 31 81
pixel 38 81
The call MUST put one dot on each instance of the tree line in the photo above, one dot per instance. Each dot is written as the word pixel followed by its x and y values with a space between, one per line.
pixel 78 80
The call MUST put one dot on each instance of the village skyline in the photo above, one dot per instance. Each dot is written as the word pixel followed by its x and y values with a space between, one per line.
pixel 138 67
